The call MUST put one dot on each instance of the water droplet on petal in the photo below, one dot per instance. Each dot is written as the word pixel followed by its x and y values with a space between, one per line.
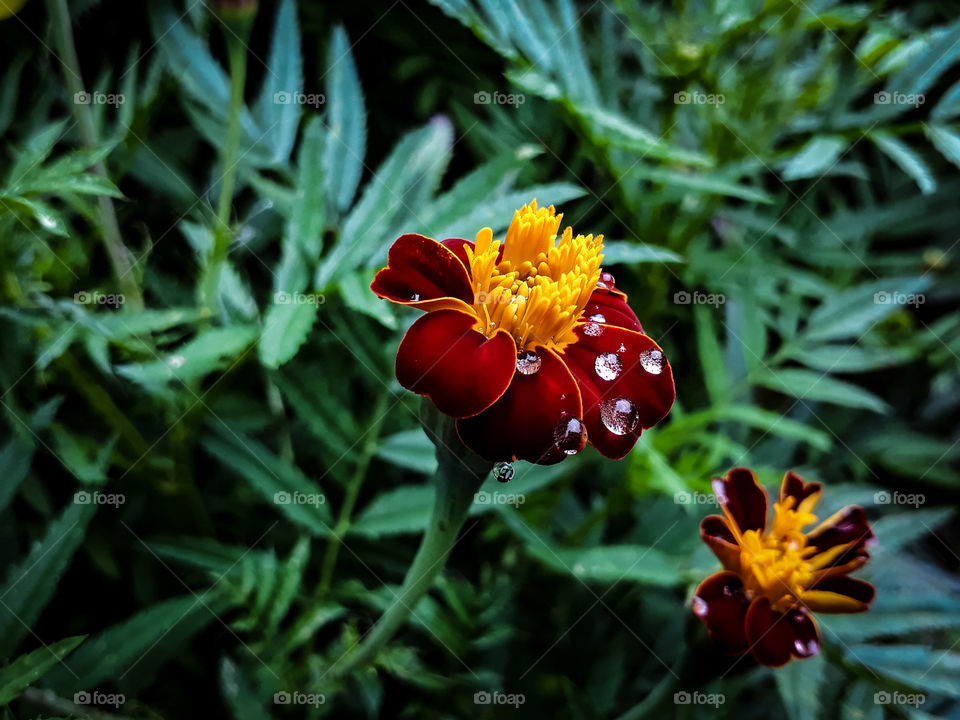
pixel 414 297
pixel 606 281
pixel 699 606
pixel 503 471
pixel 608 366
pixel 619 415
pixel 806 648
pixel 570 435
pixel 528 362
pixel 598 318
pixel 652 361
pixel 592 329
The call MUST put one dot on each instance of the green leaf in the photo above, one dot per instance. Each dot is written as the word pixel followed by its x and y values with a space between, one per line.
pixel 27 669
pixel 304 230
pixel 284 75
pixel 239 690
pixel 16 457
pixel 915 666
pixel 346 124
pixel 285 329
pixel 212 350
pixel 356 293
pixel 620 132
pixel 410 449
pixel 48 218
pixel 849 358
pixel 31 583
pixel 290 581
pixel 813 386
pixel 815 158
pixel 620 252
pixel 85 184
pixel 795 680
pixel 280 483
pixel 921 75
pixel 908 161
pixel 945 140
pixel 701 183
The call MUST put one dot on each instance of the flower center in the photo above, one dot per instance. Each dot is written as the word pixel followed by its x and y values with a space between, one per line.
pixel 777 564
pixel 531 284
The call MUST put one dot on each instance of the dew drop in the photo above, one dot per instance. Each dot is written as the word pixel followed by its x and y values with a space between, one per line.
pixel 652 361
pixel 598 318
pixel 619 415
pixel 606 281
pixel 699 606
pixel 570 435
pixel 608 366
pixel 176 361
pixel 806 648
pixel 503 471
pixel 592 329
pixel 414 297
pixel 528 362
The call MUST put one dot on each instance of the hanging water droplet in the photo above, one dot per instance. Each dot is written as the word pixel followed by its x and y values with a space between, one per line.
pixel 414 297
pixel 528 362
pixel 592 329
pixel 619 415
pixel 503 471
pixel 652 361
pixel 608 366
pixel 606 281
pixel 598 318
pixel 699 606
pixel 570 435
pixel 622 348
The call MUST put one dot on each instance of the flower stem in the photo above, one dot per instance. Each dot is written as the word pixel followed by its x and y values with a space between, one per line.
pixel 116 250
pixel 458 478
pixel 237 54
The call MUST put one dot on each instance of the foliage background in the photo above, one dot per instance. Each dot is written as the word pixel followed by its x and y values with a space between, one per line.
pixel 798 199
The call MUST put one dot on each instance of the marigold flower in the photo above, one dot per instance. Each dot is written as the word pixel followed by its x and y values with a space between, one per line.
pixel 775 577
pixel 526 341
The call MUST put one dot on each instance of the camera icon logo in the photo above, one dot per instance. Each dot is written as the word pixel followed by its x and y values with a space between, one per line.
pixel 81 97
pixel 82 298
pixel 281 698
pixel 482 697
pixel 482 498
pixel 681 297
pixel 681 498
pixel 481 98
pixel 881 98
pixel 881 697
pixel 681 98
pixel 281 98
pixel 881 298
pixel 82 497
pixel 81 698
pixel 882 497
pixel 281 298
pixel 281 498
pixel 681 698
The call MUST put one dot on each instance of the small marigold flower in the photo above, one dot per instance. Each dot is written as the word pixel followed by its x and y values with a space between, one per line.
pixel 526 341
pixel 775 577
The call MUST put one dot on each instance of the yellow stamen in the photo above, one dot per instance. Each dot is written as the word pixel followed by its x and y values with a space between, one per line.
pixel 539 288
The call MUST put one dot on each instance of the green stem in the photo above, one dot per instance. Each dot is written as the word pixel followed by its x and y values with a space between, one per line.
pixel 116 250
pixel 458 478
pixel 237 55
pixel 350 498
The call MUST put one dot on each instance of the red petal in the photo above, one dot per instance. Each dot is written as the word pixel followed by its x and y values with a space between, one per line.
pixel 443 357
pixel 638 395
pixel 715 532
pixel 806 636
pixel 458 247
pixel 770 634
pixel 424 274
pixel 522 424
pixel 722 605
pixel 741 495
pixel 796 487
pixel 612 306
pixel 846 525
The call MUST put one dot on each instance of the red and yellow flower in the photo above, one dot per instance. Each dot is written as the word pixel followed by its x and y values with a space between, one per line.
pixel 775 577
pixel 526 341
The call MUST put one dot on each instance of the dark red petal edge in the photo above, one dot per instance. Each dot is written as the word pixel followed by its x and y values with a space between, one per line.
pixel 420 272
pixel 741 494
pixel 610 307
pixel 720 602
pixel 715 532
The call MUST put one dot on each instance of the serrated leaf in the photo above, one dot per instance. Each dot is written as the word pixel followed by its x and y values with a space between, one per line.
pixel 620 252
pixel 945 140
pixel 815 158
pixel 813 386
pixel 908 161
pixel 794 682
pixel 27 669
pixel 285 329
pixel 284 75
pixel 346 124
pixel 410 449
pixel 289 584
pixel 851 312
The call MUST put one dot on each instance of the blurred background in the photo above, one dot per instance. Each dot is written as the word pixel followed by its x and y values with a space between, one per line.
pixel 211 482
